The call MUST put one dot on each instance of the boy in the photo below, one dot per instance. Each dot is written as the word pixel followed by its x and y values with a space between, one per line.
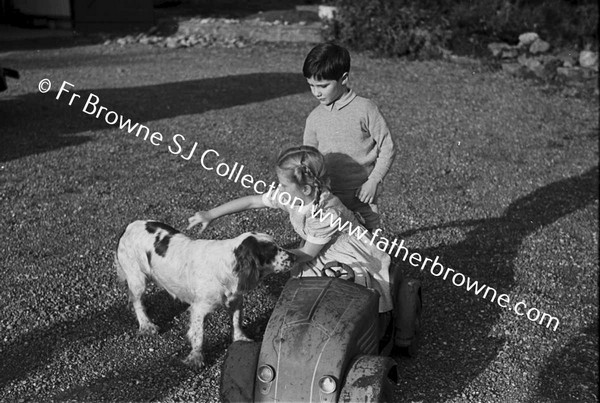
pixel 349 131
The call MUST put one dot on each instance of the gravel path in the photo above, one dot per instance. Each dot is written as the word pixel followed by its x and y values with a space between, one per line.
pixel 496 176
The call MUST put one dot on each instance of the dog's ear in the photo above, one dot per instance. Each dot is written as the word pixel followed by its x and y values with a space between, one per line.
pixel 247 265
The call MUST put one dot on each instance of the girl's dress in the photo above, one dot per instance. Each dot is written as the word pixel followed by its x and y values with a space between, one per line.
pixel 342 240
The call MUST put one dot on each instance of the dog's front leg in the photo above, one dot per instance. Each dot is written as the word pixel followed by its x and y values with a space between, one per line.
pixel 236 309
pixel 196 334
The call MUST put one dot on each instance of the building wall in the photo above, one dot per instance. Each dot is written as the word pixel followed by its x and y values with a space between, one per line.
pixel 44 8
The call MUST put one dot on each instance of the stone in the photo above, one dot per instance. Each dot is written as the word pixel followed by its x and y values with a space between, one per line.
pixel 548 58
pixel 497 47
pixel 509 53
pixel 529 62
pixel 527 38
pixel 572 73
pixel 327 12
pixel 539 46
pixel 539 71
pixel 588 59
pixel 568 57
pixel 512 68
pixel 171 43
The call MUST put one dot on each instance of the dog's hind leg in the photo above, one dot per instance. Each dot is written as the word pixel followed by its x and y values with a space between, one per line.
pixel 137 286
pixel 236 309
pixel 196 334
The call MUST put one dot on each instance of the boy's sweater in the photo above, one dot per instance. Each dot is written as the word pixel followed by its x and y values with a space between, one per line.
pixel 354 138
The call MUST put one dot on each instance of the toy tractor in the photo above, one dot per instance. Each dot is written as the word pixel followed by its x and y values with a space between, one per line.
pixel 323 343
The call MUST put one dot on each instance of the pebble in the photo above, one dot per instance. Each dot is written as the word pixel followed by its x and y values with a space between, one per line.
pixel 527 38
pixel 539 46
pixel 588 59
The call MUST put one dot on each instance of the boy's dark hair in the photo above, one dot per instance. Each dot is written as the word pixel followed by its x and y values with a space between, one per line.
pixel 326 61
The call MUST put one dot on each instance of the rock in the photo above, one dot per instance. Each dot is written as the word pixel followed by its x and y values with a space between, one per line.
pixel 568 57
pixel 122 41
pixel 327 12
pixel 529 62
pixel 497 47
pixel 540 71
pixel 171 42
pixel 539 46
pixel 588 59
pixel 527 38
pixel 509 53
pixel 145 40
pixel 512 68
pixel 550 64
pixel 549 59
pixel 572 73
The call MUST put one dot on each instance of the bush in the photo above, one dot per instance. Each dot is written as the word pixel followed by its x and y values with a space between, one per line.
pixel 388 28
pixel 422 28
pixel 559 21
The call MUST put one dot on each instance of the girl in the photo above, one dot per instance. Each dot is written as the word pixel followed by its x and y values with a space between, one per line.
pixel 301 173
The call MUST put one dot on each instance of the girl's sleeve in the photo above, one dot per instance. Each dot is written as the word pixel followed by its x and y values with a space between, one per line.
pixel 322 227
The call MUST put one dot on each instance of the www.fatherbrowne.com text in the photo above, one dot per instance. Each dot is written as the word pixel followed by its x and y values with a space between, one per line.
pixel 177 146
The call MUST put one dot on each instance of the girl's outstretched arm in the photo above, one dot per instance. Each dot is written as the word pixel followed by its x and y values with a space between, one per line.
pixel 234 206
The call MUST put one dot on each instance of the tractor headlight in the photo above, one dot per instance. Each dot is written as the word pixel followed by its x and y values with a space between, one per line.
pixel 265 373
pixel 327 384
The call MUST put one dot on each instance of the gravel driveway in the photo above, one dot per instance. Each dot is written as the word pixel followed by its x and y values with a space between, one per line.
pixel 496 176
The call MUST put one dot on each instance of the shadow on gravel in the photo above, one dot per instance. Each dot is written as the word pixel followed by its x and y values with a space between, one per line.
pixel 36 348
pixel 54 119
pixel 157 377
pixel 460 323
pixel 572 373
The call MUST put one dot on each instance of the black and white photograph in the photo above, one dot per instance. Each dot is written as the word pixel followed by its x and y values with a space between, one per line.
pixel 299 201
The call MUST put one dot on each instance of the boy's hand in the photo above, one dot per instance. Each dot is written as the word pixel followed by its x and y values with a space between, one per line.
pixel 201 217
pixel 367 192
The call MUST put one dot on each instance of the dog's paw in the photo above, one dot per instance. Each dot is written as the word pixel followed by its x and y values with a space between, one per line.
pixel 194 360
pixel 149 329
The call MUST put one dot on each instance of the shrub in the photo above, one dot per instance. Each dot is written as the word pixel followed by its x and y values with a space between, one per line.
pixel 388 28
pixel 422 28
pixel 560 21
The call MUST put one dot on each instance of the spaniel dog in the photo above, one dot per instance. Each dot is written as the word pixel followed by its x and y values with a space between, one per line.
pixel 203 273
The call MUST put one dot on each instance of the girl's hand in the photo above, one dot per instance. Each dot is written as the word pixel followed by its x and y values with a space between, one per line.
pixel 201 217
pixel 367 192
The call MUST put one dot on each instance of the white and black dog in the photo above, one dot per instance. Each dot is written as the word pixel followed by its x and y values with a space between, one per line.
pixel 203 273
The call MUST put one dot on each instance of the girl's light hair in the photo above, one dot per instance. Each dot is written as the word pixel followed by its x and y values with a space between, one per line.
pixel 305 165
